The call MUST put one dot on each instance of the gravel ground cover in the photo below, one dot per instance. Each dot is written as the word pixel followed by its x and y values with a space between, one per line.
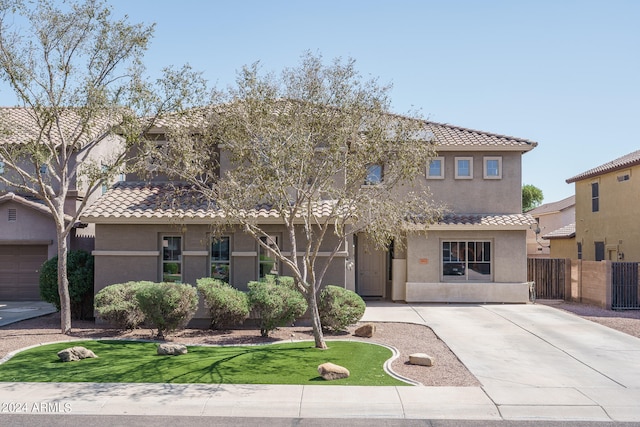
pixel 406 338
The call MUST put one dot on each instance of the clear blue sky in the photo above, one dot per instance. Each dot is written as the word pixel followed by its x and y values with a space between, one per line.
pixel 562 73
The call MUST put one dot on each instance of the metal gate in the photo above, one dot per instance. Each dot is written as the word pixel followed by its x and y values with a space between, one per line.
pixel 549 276
pixel 624 286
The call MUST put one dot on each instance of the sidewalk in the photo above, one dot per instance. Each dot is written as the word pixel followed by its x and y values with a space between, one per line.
pixel 15 311
pixel 534 363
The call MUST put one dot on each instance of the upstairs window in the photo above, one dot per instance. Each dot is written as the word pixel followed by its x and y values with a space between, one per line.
pixel 464 167
pixel 43 169
pixel 435 168
pixel 595 197
pixel 493 168
pixel 268 264
pixel 374 175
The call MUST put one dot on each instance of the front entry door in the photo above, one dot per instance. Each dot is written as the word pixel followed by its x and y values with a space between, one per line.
pixel 371 269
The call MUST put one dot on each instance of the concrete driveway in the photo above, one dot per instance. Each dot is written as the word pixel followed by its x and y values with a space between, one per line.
pixel 535 361
pixel 15 311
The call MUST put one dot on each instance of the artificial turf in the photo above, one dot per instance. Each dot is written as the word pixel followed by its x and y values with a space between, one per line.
pixel 138 362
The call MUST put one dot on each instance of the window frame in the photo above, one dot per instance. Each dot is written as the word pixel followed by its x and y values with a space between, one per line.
pixel 485 163
pixel 379 175
pixel 220 262
pixel 440 160
pixel 261 251
pixel 595 196
pixel 463 277
pixel 165 261
pixel 457 167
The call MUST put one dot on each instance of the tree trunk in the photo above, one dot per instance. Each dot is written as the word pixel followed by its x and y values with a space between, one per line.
pixel 318 336
pixel 63 285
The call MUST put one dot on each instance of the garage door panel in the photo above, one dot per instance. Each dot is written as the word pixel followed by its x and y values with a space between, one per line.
pixel 20 271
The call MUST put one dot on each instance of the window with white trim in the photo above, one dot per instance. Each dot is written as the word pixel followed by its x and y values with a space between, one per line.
pixel 221 259
pixel 435 168
pixel 466 261
pixel 172 259
pixel 493 168
pixel 464 167
pixel 268 264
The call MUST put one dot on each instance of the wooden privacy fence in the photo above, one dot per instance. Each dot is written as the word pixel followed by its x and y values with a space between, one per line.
pixel 551 276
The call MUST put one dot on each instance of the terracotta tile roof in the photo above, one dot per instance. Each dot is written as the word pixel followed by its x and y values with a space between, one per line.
pixel 491 221
pixel 167 202
pixel 565 232
pixel 453 137
pixel 18 125
pixel 553 206
pixel 632 159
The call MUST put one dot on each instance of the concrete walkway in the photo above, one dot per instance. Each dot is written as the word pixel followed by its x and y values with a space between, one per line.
pixel 15 311
pixel 534 363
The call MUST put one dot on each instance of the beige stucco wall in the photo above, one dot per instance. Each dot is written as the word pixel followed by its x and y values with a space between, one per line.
pixel 616 223
pixel 424 281
pixel 31 227
pixel 563 248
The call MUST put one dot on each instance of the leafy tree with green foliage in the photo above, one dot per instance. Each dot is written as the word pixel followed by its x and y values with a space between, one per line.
pixel 80 273
pixel 340 307
pixel 531 197
pixel 303 145
pixel 118 305
pixel 78 73
pixel 277 302
pixel 167 306
pixel 226 304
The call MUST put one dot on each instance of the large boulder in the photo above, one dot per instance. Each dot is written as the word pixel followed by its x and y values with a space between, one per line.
pixel 73 354
pixel 365 331
pixel 167 349
pixel 330 371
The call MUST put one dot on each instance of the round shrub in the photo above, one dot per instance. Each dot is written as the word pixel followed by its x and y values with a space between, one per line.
pixel 118 305
pixel 339 308
pixel 226 304
pixel 80 275
pixel 167 306
pixel 276 301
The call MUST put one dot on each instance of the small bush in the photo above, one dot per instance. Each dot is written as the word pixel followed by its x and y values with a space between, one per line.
pixel 167 306
pixel 276 301
pixel 118 305
pixel 80 275
pixel 226 304
pixel 339 308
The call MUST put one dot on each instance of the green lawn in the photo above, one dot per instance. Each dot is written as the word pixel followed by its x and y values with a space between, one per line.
pixel 137 362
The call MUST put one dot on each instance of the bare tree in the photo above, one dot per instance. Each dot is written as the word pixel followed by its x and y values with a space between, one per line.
pixel 316 150
pixel 78 78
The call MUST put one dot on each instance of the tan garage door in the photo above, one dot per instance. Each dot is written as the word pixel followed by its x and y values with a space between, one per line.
pixel 20 271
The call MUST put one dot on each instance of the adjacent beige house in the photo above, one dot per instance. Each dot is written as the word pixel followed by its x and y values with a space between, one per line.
pixel 551 219
pixel 607 205
pixel 27 230
pixel 477 253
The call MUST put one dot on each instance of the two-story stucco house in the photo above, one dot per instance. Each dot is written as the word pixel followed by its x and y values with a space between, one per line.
pixel 607 203
pixel 27 230
pixel 477 253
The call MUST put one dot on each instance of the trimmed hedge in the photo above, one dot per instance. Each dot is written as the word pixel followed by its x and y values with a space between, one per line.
pixel 80 275
pixel 226 304
pixel 118 305
pixel 276 301
pixel 167 306
pixel 339 308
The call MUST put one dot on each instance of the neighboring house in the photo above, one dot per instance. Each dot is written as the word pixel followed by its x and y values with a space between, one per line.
pixel 549 218
pixel 477 253
pixel 563 242
pixel 607 206
pixel 27 230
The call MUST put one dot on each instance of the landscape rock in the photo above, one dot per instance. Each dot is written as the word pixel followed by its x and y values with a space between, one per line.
pixel 73 354
pixel 167 349
pixel 365 331
pixel 421 359
pixel 330 371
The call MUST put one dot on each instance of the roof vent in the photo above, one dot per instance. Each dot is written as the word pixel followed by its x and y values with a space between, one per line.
pixel 13 215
